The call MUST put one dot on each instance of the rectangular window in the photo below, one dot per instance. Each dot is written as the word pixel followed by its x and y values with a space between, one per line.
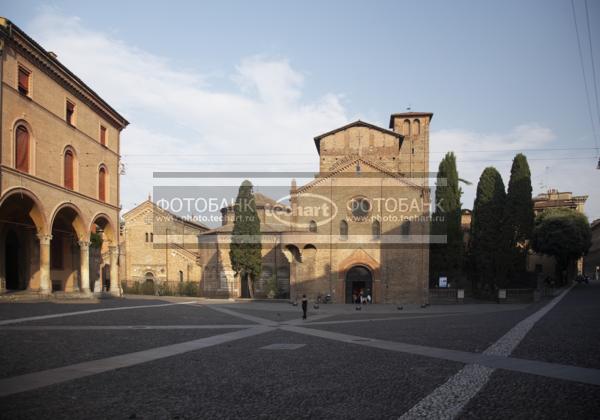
pixel 103 135
pixel 23 81
pixel 70 113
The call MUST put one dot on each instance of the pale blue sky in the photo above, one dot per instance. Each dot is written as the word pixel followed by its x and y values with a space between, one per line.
pixel 485 68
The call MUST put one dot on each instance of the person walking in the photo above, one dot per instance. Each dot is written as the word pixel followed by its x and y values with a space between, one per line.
pixel 304 306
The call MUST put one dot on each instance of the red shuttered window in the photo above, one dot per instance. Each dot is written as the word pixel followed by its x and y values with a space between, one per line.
pixel 69 169
pixel 23 81
pixel 70 113
pixel 102 184
pixel 22 149
pixel 103 135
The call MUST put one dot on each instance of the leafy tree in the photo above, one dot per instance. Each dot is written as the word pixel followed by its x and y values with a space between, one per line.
pixel 488 252
pixel 562 233
pixel 518 221
pixel 245 251
pixel 447 258
pixel 96 240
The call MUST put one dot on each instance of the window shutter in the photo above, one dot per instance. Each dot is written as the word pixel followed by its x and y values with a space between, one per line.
pixel 22 149
pixel 69 170
pixel 102 184
pixel 23 81
pixel 103 136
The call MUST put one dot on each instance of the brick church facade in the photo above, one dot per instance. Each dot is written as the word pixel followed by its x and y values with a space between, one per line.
pixel 361 226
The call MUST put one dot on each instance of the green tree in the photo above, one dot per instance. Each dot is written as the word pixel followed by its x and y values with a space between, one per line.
pixel 486 247
pixel 245 251
pixel 518 221
pixel 447 258
pixel 562 233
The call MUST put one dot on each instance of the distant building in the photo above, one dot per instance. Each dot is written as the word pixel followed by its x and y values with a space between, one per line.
pixel 219 278
pixel 360 227
pixel 158 247
pixel 542 264
pixel 59 174
pixel 554 199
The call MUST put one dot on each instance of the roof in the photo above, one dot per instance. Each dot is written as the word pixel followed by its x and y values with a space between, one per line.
pixel 174 216
pixel 357 123
pixel 326 175
pixel 48 60
pixel 408 115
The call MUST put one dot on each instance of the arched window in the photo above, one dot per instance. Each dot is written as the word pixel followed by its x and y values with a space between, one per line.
pixel 309 252
pixel 312 226
pixel 151 237
pixel 22 149
pixel 69 169
pixel 406 128
pixel 376 229
pixel 180 275
pixel 146 236
pixel 102 184
pixel 416 127
pixel 343 230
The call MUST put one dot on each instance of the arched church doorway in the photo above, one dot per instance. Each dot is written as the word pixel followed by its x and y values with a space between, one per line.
pixel 11 248
pixel 358 279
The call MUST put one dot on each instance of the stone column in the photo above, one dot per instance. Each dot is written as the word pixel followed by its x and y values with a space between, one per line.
pixel 45 282
pixel 115 287
pixel 84 249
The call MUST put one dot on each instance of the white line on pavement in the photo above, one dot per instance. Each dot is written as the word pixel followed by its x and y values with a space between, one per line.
pixel 492 361
pixel 447 401
pixel 124 327
pixel 48 377
pixel 91 311
pixel 258 320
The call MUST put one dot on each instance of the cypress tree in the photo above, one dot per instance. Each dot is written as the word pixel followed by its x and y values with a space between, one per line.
pixel 487 247
pixel 518 221
pixel 245 251
pixel 446 258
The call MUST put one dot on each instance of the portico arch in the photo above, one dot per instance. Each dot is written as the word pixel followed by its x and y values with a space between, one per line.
pixel 69 233
pixel 103 254
pixel 21 221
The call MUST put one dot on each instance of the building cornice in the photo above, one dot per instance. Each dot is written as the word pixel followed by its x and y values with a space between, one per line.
pixel 35 53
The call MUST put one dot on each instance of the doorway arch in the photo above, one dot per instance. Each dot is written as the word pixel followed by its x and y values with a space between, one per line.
pixel 358 278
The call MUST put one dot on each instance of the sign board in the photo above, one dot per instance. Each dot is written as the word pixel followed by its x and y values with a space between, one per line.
pixel 443 282
pixel 502 294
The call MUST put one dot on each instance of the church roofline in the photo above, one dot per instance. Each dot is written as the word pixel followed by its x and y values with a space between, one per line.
pixel 357 123
pixel 326 175
pixel 174 216
pixel 409 114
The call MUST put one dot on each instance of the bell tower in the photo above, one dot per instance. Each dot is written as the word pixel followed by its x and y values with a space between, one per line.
pixel 414 151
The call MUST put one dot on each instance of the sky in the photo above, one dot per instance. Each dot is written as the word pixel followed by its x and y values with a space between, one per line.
pixel 246 86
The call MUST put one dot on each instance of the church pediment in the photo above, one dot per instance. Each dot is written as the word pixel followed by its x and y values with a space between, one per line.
pixel 370 133
pixel 359 167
